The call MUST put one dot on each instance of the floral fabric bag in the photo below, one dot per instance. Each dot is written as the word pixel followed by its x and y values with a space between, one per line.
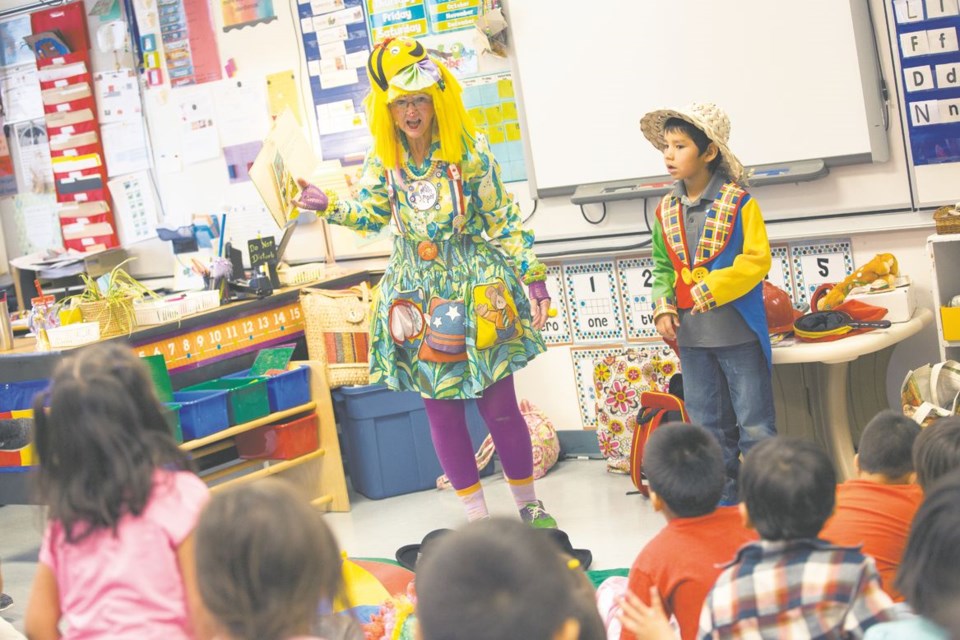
pixel 618 381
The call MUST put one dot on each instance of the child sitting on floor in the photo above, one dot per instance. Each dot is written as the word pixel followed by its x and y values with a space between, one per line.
pixel 876 508
pixel 266 561
pixel 936 451
pixel 497 579
pixel 685 469
pixel 116 559
pixel 790 584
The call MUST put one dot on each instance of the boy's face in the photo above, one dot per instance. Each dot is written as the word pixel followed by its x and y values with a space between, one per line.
pixel 682 158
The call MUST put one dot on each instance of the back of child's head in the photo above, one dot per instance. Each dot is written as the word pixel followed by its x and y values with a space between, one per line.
pixel 265 561
pixel 936 451
pixel 928 575
pixel 494 579
pixel 788 487
pixel 695 133
pixel 886 445
pixel 684 466
pixel 100 440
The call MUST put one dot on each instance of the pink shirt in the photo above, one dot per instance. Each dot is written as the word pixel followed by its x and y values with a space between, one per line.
pixel 129 586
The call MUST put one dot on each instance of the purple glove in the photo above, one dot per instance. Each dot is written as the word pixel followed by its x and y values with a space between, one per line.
pixel 311 197
pixel 538 291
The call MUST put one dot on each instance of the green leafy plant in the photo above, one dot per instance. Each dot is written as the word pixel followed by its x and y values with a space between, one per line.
pixel 109 299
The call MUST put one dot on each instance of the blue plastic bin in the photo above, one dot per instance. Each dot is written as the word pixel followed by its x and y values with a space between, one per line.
pixel 202 413
pixel 284 390
pixel 386 439
pixel 17 396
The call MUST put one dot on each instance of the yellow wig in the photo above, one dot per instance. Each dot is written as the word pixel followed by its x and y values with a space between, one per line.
pixel 401 66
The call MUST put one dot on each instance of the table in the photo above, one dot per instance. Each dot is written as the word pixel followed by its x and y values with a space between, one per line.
pixel 830 390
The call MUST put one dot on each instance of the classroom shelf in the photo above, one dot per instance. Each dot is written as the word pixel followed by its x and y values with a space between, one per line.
pixel 194 445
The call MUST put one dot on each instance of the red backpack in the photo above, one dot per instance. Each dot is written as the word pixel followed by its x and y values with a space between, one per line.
pixel 656 408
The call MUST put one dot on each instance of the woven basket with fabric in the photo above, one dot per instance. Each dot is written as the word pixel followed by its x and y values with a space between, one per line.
pixel 947 219
pixel 338 332
pixel 114 316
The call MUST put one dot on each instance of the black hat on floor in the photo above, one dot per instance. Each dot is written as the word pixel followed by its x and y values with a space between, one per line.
pixel 409 554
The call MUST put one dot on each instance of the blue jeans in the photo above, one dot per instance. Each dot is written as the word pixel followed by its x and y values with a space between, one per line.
pixel 728 390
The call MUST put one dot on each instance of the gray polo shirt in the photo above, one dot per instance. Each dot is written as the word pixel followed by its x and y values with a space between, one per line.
pixel 722 326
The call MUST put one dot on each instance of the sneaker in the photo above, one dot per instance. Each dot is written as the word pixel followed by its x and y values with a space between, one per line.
pixel 536 516
pixel 5 602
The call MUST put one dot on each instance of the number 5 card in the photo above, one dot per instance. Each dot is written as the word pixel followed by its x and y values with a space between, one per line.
pixel 820 262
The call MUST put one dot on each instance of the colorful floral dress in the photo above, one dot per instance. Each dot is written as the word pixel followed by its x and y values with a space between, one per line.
pixel 450 314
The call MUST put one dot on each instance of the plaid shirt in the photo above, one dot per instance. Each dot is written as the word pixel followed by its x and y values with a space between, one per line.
pixel 795 589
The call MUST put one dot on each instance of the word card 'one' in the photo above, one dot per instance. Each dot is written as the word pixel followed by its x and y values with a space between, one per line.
pixel 594 301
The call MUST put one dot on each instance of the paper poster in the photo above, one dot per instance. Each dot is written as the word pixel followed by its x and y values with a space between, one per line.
pixel 282 94
pixel 583 365
pixel 457 50
pixel 242 115
pixel 397 18
pixel 118 96
pixel 135 207
pixel 13 50
pixel 557 329
pixel 452 16
pixel 37 223
pixel 197 128
pixel 819 262
pixel 125 147
pixel 239 159
pixel 635 276
pixel 594 300
pixel 33 157
pixel 245 13
pixel 780 273
pixel 20 93
pixel 8 182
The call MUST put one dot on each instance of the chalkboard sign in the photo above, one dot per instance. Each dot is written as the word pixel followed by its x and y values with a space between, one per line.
pixel 264 258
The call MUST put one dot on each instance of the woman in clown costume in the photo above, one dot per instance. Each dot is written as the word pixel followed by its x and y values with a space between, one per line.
pixel 451 318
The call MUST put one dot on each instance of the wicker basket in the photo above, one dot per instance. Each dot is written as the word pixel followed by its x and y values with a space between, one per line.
pixel 947 219
pixel 115 316
pixel 338 332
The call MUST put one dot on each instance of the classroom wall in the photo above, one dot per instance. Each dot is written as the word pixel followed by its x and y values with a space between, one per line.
pixel 882 190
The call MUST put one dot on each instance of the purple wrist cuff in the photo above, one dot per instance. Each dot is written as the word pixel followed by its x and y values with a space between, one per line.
pixel 538 290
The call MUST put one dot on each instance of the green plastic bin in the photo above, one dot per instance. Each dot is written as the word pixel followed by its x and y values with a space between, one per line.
pixel 246 400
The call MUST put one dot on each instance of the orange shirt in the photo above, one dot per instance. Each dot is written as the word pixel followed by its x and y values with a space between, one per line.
pixel 878 517
pixel 684 560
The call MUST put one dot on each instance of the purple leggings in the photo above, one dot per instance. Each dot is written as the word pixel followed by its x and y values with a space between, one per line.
pixel 498 406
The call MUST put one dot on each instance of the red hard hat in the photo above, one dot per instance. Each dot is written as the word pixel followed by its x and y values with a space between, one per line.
pixel 779 308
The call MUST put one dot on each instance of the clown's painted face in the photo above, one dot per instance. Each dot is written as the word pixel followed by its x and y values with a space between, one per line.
pixel 413 114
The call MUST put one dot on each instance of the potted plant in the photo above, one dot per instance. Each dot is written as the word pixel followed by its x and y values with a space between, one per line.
pixel 108 300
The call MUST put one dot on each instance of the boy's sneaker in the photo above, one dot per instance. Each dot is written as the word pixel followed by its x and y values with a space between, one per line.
pixel 5 602
pixel 536 516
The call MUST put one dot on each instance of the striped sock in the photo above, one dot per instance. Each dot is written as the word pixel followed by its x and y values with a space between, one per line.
pixel 473 502
pixel 523 491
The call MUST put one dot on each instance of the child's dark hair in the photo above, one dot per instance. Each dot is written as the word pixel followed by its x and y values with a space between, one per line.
pixel 101 439
pixel 928 575
pixel 679 125
pixel 886 444
pixel 491 580
pixel 265 561
pixel 789 487
pixel 936 451
pixel 684 465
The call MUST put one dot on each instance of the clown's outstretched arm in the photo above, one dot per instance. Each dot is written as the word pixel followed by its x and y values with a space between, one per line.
pixel 368 212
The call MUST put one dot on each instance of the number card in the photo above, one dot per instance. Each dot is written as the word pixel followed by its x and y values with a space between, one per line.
pixel 780 273
pixel 584 359
pixel 594 302
pixel 557 329
pixel 816 263
pixel 636 287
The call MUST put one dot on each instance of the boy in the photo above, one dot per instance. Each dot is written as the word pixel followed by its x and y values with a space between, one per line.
pixel 711 254
pixel 791 585
pixel 876 508
pixel 937 451
pixel 684 466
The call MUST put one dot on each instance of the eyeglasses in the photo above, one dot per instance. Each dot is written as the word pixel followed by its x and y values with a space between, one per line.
pixel 418 102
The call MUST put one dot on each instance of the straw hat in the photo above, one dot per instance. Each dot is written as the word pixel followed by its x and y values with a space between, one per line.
pixel 707 117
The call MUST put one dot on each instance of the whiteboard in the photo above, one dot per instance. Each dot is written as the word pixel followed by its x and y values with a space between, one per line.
pixel 800 81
